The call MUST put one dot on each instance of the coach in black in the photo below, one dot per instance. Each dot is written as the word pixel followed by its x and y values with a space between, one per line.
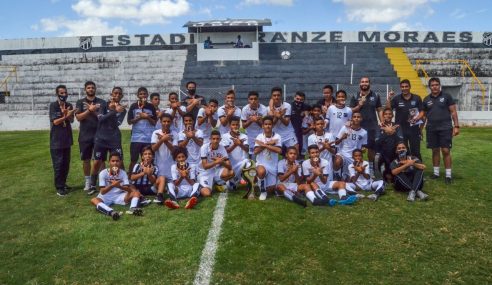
pixel 408 115
pixel 440 109
pixel 193 101
pixel 369 105
pixel 61 140
pixel 88 110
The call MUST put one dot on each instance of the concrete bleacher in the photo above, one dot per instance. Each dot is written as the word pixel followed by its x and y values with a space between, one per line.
pixel 309 68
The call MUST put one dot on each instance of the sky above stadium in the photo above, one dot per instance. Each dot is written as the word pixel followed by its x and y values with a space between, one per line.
pixel 54 18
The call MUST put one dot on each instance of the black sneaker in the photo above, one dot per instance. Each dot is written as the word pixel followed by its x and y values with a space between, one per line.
pixel 67 188
pixel 61 192
pixel 135 211
pixel 433 177
pixel 448 180
pixel 115 215
pixel 299 201
pixel 92 190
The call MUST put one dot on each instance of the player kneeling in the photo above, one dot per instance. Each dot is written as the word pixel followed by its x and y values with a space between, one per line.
pixel 115 188
pixel 317 172
pixel 289 174
pixel 145 177
pixel 215 166
pixel 360 177
pixel 184 184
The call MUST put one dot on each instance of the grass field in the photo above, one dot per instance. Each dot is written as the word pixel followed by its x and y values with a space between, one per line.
pixel 51 240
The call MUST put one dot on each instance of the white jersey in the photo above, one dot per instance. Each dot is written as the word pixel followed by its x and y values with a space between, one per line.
pixel 105 179
pixel 283 167
pixel 164 156
pixel 337 118
pixel 361 181
pixel 221 112
pixel 238 154
pixel 307 169
pixel 355 139
pixel 268 158
pixel 192 147
pixel 177 122
pixel 254 129
pixel 206 152
pixel 206 127
pixel 191 174
pixel 319 140
pixel 285 132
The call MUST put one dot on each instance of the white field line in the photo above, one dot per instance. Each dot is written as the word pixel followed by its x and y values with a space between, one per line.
pixel 207 260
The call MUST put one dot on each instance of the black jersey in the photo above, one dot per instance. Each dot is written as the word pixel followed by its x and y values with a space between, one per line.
pixel 60 135
pixel 385 143
pixel 437 111
pixel 88 126
pixel 368 110
pixel 405 109
pixel 108 132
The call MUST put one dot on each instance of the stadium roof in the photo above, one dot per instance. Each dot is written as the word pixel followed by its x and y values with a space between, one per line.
pixel 228 25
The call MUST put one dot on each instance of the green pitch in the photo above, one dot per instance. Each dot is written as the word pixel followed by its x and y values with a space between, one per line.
pixel 46 239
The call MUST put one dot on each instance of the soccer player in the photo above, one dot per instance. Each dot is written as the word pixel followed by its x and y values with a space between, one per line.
pixel 207 119
pixel 338 114
pixel 227 111
pixel 408 115
pixel 325 142
pixel 61 139
pixel 215 167
pixel 281 112
pixel 359 176
pixel 368 103
pixel 142 117
pixel 349 139
pixel 155 100
pixel 290 178
pixel 409 174
pixel 176 111
pixel 251 116
pixel 308 124
pixel 88 110
pixel 440 110
pixel 387 137
pixel 236 144
pixel 268 146
pixel 108 134
pixel 114 188
pixel 191 139
pixel 317 173
pixel 145 176
pixel 163 143
pixel 183 183
pixel 299 111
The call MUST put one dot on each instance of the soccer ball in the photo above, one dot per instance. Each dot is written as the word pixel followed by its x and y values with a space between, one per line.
pixel 285 54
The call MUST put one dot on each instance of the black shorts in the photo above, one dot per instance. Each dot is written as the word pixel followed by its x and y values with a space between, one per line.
pixel 145 190
pixel 86 150
pixel 371 139
pixel 136 149
pixel 438 139
pixel 101 152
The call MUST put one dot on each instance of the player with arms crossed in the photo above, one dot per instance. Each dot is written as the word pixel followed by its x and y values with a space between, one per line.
pixel 251 116
pixel 280 112
pixel 227 111
pixel 360 177
pixel 145 176
pixel 237 147
pixel 191 139
pixel 290 178
pixel 207 118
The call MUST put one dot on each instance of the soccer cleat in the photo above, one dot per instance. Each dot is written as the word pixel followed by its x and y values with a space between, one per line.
pixel 231 186
pixel 171 204
pixel 318 202
pixel 360 196
pixel 332 202
pixel 299 201
pixel 448 180
pixel 87 186
pixel 348 201
pixel 422 196
pixel 67 188
pixel 92 190
pixel 61 192
pixel 115 215
pixel 145 202
pixel 191 203
pixel 135 211
pixel 158 200
pixel 374 197
pixel 433 177
pixel 263 196
pixel 411 196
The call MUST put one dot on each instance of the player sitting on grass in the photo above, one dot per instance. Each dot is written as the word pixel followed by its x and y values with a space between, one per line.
pixel 215 166
pixel 316 171
pixel 237 147
pixel 191 139
pixel 145 176
pixel 360 177
pixel 290 176
pixel 268 145
pixel 409 174
pixel 184 184
pixel 115 188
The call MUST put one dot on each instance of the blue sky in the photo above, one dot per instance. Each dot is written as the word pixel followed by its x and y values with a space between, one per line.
pixel 53 18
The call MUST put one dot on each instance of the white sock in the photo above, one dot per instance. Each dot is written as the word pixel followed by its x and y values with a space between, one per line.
pixel 436 170
pixel 288 195
pixel 310 195
pixel 134 202
pixel 448 173
pixel 103 208
pixel 350 187
pixel 341 193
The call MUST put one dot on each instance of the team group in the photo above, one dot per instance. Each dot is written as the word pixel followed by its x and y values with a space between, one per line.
pixel 183 154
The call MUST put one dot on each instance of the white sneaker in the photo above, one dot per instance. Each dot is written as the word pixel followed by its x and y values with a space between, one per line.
pixel 87 185
pixel 360 196
pixel 263 196
pixel 373 197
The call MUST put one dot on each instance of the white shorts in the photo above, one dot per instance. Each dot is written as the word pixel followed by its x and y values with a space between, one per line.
pixel 113 198
pixel 207 179
pixel 238 168
pixel 370 185
pixel 290 186
pixel 270 177
pixel 183 191
pixel 347 160
pixel 328 187
pixel 288 142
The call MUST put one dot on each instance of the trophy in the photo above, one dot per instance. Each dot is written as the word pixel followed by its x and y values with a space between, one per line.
pixel 249 174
